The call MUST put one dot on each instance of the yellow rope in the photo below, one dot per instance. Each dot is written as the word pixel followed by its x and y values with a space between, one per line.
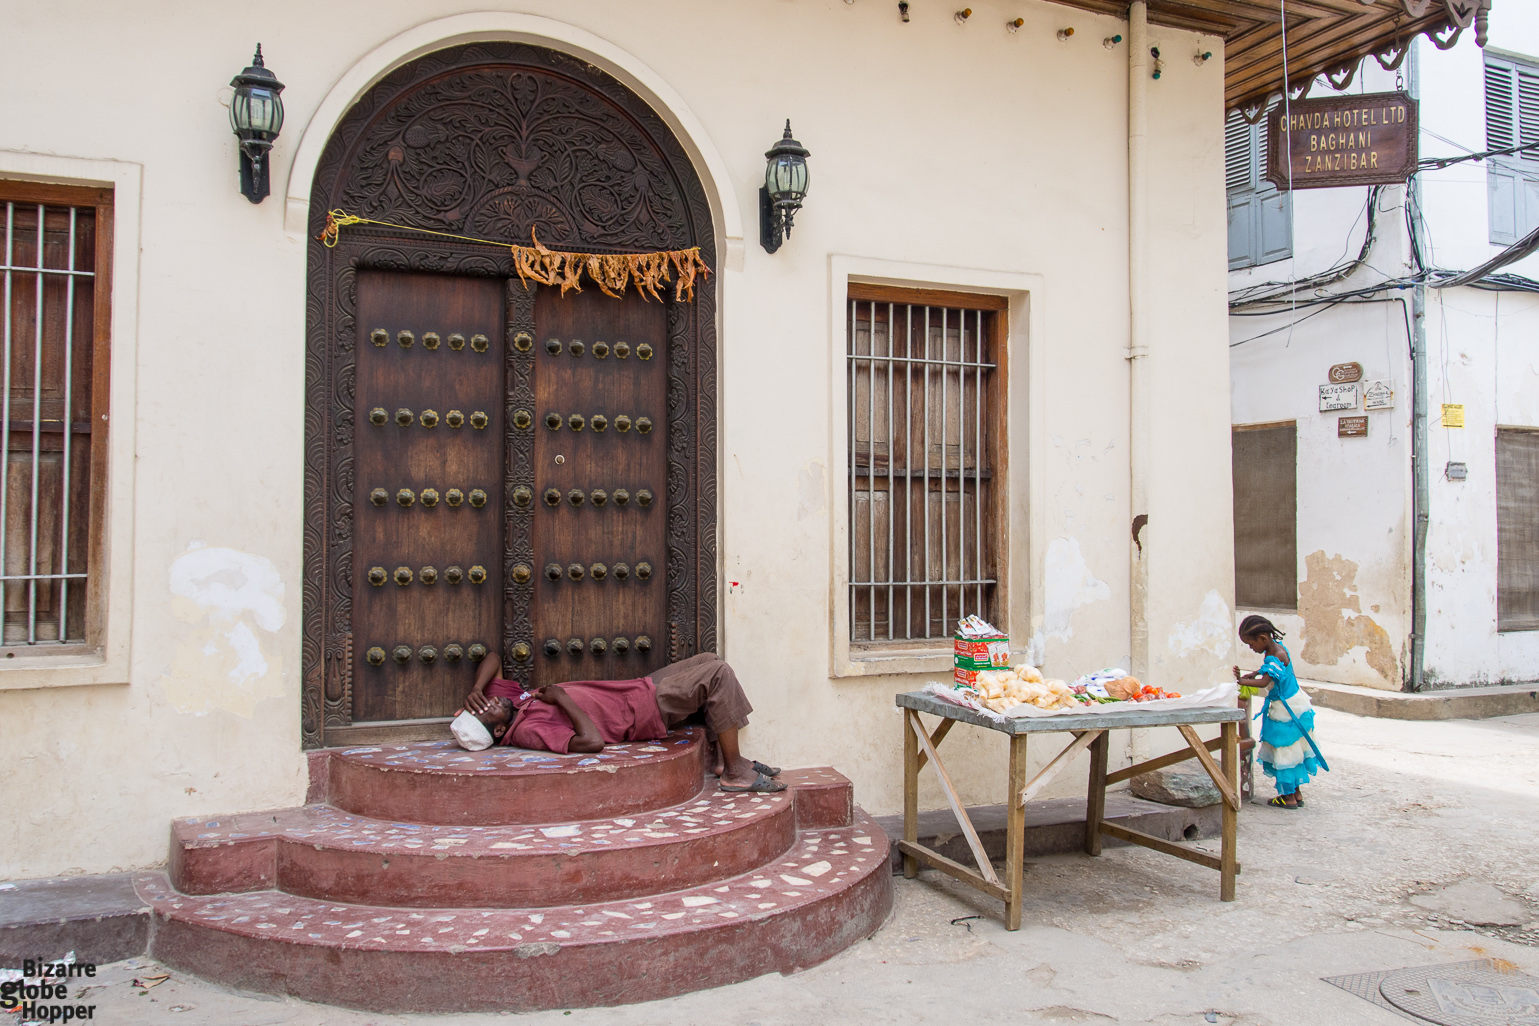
pixel 611 272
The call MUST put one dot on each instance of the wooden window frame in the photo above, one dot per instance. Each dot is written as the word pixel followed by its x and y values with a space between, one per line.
pixel 996 432
pixel 101 199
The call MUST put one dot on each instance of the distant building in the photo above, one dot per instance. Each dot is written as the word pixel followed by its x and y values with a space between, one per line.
pixel 1325 538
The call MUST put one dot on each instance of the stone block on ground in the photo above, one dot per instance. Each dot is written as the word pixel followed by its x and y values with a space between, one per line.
pixel 100 918
pixel 1474 902
pixel 1187 788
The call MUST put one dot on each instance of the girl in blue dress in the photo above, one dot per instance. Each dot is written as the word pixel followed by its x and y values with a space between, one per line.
pixel 1285 752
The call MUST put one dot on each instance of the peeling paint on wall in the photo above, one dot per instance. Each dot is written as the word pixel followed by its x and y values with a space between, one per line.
pixel 1208 630
pixel 1069 584
pixel 230 598
pixel 812 496
pixel 1326 596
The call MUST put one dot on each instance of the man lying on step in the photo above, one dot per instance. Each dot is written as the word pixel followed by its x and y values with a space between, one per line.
pixel 584 716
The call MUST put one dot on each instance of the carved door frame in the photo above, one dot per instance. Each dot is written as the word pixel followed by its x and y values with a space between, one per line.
pixel 391 158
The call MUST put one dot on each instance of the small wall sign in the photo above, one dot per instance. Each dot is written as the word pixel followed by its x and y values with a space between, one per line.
pixel 1453 415
pixel 1351 427
pixel 1338 397
pixel 1379 395
pixel 1369 139
pixel 1341 373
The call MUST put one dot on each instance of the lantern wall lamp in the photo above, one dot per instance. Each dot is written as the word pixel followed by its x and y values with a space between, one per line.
pixel 780 197
pixel 256 116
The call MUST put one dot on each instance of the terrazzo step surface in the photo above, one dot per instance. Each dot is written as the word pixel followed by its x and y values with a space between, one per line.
pixel 829 890
pixel 437 782
pixel 329 854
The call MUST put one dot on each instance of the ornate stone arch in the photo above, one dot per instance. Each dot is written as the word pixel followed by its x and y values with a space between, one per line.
pixel 492 140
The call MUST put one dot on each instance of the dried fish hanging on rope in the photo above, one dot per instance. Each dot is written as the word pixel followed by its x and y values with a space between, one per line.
pixel 611 272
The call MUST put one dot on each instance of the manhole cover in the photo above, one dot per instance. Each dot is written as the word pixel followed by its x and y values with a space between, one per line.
pixel 1482 993
pixel 1464 997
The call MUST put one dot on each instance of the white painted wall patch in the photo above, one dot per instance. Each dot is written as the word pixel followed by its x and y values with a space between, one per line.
pixel 1207 631
pixel 1069 584
pixel 228 597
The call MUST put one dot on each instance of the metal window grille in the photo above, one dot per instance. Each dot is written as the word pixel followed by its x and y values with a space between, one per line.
pixel 923 531
pixel 45 402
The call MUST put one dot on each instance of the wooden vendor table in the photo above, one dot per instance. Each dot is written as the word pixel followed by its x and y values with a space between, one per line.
pixel 1091 730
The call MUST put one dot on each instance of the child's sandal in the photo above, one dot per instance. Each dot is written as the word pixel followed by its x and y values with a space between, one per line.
pixel 1278 802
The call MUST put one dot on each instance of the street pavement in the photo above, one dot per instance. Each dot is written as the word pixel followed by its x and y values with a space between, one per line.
pixel 1418 849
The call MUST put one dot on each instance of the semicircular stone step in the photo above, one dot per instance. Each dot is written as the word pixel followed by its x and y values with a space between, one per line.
pixel 831 889
pixel 439 782
pixel 326 853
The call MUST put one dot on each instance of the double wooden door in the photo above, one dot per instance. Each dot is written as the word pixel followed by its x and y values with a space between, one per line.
pixel 509 488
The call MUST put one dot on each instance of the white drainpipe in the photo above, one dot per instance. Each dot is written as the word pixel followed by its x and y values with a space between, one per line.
pixel 1138 333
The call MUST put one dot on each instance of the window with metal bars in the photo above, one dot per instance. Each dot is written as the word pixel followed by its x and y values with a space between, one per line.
pixel 926 460
pixel 57 250
pixel 1512 119
pixel 1260 217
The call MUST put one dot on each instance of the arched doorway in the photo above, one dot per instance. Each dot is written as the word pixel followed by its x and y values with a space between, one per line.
pixel 488 463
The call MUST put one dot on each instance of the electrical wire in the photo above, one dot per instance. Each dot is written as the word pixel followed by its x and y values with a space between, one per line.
pixel 1287 144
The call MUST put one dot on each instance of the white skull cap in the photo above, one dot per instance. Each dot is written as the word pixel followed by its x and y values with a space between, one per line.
pixel 470 732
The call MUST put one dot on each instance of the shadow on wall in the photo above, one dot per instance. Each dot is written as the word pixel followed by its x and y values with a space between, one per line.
pixel 1327 597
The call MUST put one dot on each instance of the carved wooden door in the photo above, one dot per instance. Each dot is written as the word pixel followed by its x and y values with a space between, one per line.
pixel 428 487
pixel 500 141
pixel 600 387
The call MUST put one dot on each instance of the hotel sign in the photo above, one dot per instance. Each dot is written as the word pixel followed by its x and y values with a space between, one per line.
pixel 1343 140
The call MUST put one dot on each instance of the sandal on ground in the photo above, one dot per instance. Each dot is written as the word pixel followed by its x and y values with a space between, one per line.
pixel 761 785
pixel 1275 802
pixel 768 771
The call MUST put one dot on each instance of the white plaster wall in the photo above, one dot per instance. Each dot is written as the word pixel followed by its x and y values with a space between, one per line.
pixel 1353 509
pixel 1483 351
pixel 1483 354
pixel 962 148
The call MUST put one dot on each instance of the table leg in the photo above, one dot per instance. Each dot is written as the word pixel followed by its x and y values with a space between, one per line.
pixel 1015 831
pixel 1231 768
pixel 1095 794
pixel 910 790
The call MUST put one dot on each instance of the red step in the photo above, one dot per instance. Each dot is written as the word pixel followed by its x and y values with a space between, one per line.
pixel 832 889
pixel 438 782
pixel 325 853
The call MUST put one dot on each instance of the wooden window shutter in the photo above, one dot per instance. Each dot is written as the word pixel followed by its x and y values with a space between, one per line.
pixel 1239 167
pixel 1242 228
pixel 1512 119
pixel 1528 111
pixel 1500 113
pixel 1517 530
pixel 927 423
pixel 1265 468
pixel 1260 221
pixel 1276 236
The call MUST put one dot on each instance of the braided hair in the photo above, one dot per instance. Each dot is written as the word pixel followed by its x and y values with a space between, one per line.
pixel 1256 624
